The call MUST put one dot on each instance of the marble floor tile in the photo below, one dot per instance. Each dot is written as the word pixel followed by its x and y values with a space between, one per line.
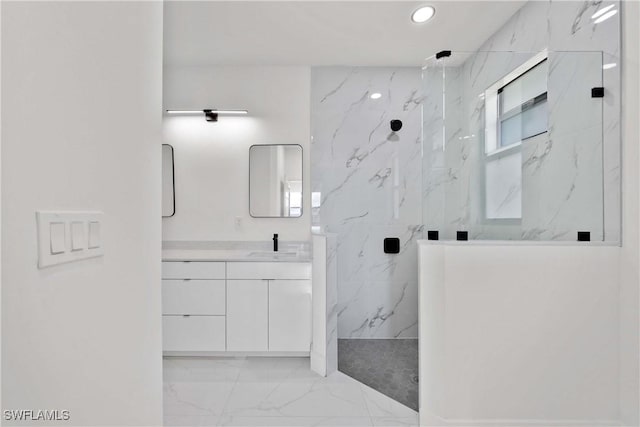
pixel 202 369
pixel 296 421
pixel 338 399
pixel 272 369
pixel 395 422
pixel 380 405
pixel 270 392
pixel 196 398
pixel 190 420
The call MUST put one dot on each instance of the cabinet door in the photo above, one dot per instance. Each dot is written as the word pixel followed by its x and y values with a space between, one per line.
pixel 247 315
pixel 289 315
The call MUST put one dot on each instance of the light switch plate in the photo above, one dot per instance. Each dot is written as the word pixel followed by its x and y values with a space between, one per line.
pixel 64 236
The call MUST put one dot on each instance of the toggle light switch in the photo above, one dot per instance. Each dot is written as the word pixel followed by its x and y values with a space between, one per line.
pixel 78 238
pixel 94 235
pixel 57 237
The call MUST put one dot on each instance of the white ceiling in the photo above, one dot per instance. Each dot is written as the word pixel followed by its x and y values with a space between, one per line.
pixel 365 33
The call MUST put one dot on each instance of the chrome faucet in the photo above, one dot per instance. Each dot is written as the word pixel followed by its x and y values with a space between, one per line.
pixel 275 243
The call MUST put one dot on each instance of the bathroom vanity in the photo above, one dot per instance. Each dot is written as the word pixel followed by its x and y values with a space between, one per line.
pixel 217 301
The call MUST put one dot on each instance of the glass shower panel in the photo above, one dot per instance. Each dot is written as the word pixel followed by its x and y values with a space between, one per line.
pixel 529 122
pixel 513 145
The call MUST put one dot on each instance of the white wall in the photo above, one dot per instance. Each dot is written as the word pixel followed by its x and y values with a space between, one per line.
pixel 629 260
pixel 212 159
pixel 81 130
pixel 519 334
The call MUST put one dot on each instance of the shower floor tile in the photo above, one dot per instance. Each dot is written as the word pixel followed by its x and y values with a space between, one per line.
pixel 389 366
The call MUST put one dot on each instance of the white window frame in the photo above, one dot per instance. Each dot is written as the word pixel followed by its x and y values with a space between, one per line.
pixel 492 105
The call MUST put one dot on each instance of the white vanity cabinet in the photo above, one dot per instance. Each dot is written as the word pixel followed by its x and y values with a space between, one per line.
pixel 193 306
pixel 194 297
pixel 279 306
pixel 214 306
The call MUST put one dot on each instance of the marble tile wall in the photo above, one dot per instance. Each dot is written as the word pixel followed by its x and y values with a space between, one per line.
pixel 369 183
pixel 366 182
pixel 332 303
pixel 571 175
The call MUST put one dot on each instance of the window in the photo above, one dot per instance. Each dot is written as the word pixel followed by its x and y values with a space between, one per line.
pixel 515 110
pixel 522 106
pixel 516 106
pixel 293 198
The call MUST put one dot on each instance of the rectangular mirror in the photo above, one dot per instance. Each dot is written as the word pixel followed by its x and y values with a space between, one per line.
pixel 275 181
pixel 168 182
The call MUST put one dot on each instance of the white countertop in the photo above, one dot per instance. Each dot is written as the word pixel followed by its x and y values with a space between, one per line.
pixel 236 251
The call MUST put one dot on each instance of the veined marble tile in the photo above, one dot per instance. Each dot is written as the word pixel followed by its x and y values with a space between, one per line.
pixel 573 163
pixel 395 422
pixel 296 421
pixel 279 370
pixel 274 391
pixel 379 309
pixel 369 178
pixel 612 148
pixel 201 369
pixel 572 28
pixel 380 406
pixel 196 398
pixel 434 198
pixel 332 303
pixel 190 420
pixel 526 31
pixel 320 399
pixel 377 295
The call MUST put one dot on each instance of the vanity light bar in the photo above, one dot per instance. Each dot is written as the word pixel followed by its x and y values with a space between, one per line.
pixel 210 114
pixel 230 112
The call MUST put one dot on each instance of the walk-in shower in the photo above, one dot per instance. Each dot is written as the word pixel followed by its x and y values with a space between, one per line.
pixel 518 140
pixel 366 187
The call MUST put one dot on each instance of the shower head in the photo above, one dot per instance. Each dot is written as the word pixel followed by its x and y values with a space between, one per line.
pixel 396 125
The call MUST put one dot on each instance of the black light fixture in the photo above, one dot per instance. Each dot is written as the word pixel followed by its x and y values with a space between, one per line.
pixel 210 114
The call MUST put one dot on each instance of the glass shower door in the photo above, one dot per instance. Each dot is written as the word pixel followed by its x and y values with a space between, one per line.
pixel 513 146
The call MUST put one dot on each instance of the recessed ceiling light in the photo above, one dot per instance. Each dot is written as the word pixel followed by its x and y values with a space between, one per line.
pixel 376 95
pixel 609 66
pixel 422 14
pixel 602 11
pixel 605 16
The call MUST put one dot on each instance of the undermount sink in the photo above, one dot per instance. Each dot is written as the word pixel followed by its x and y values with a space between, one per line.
pixel 271 254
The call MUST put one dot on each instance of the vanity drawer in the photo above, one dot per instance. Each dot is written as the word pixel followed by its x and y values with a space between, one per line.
pixel 193 297
pixel 193 333
pixel 268 270
pixel 193 270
